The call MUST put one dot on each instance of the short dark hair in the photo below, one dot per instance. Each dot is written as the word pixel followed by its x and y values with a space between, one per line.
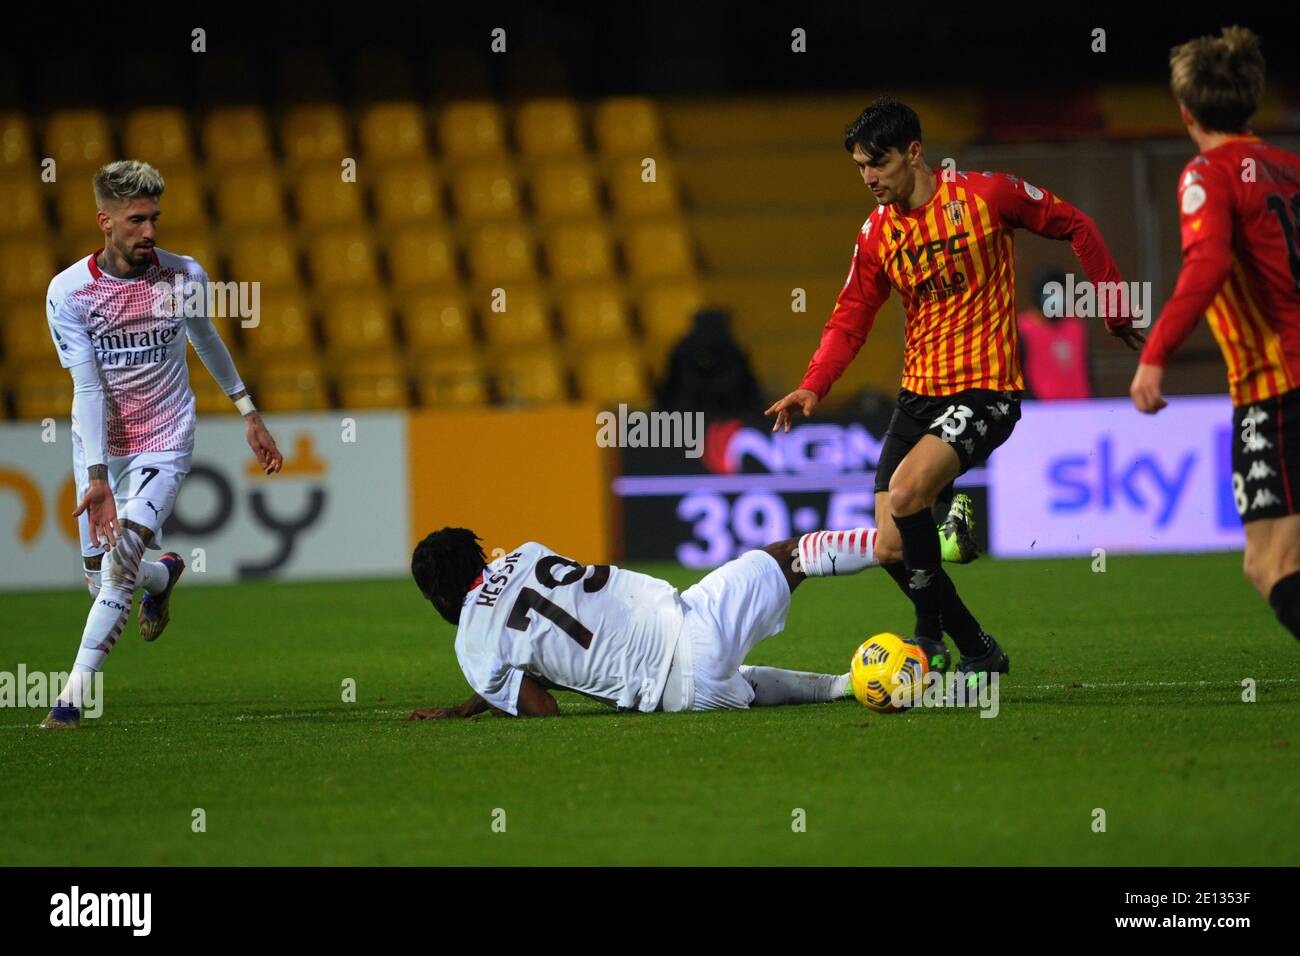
pixel 883 125
pixel 445 565
pixel 1220 79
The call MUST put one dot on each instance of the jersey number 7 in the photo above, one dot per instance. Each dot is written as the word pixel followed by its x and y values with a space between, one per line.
pixel 533 600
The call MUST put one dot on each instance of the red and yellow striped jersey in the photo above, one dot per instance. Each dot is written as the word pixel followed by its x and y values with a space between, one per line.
pixel 952 261
pixel 1239 204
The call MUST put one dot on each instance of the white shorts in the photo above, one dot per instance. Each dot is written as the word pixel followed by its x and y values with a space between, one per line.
pixel 732 608
pixel 144 488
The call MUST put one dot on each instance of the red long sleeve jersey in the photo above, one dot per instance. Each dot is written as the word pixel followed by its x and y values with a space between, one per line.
pixel 1239 205
pixel 953 262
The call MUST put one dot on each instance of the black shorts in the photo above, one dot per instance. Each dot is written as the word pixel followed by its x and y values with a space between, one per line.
pixel 974 422
pixel 1266 456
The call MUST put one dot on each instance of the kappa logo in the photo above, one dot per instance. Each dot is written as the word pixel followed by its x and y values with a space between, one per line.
pixel 1259 470
pixel 920 579
pixel 1256 442
pixel 1264 498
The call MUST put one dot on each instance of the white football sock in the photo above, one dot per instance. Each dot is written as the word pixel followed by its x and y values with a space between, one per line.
pixel 828 553
pixel 154 576
pixel 107 615
pixel 774 686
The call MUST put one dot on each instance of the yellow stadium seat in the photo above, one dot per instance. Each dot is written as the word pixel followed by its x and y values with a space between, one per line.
pixel 472 129
pixel 161 137
pixel 342 259
pixel 324 198
pixel 269 257
pixel 393 131
pixel 234 136
pixel 456 379
pixel 486 191
pixel 377 381
pixel 78 140
pixel 25 333
pixel 43 391
pixel 317 132
pixel 437 320
pixel 627 125
pixel 501 252
pixel 182 202
pixel 356 322
pixel 565 189
pixel 74 206
pixel 251 196
pixel 667 311
pixel 1138 109
pixel 408 192
pixel 421 255
pixel 198 245
pixel 532 377
pixel 550 127
pixel 611 375
pixel 658 250
pixel 209 399
pixel 291 383
pixel 525 322
pixel 595 313
pixel 633 196
pixel 283 326
pixel 26 268
pixel 16 153
pixel 23 202
pixel 579 251
pixel 77 248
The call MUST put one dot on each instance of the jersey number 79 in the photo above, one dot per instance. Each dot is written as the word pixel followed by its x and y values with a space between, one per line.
pixel 533 600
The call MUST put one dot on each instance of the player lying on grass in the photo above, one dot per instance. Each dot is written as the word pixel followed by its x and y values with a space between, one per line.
pixel 533 621
pixel 121 332
pixel 1239 200
pixel 945 242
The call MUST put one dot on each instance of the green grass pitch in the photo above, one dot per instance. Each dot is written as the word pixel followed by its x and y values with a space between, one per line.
pixel 1125 695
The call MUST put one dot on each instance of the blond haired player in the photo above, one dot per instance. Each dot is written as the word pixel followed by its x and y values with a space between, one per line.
pixel 1239 206
pixel 120 319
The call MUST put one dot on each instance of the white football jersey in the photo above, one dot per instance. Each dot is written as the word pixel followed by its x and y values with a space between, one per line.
pixel 137 334
pixel 599 630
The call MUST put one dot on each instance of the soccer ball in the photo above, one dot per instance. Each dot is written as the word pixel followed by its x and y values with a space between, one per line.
pixel 885 665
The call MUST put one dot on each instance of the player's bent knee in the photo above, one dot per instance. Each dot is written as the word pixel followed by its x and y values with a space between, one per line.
pixel 905 498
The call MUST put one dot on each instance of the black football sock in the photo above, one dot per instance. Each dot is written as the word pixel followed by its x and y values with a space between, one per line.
pixel 898 571
pixel 922 557
pixel 1285 598
pixel 960 623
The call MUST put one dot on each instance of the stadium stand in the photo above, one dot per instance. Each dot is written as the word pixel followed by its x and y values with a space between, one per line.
pixel 602 226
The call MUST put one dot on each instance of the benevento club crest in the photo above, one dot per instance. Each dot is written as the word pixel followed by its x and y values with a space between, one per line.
pixel 955 211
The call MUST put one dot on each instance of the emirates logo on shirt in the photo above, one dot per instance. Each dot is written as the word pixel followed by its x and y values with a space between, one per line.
pixel 121 348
